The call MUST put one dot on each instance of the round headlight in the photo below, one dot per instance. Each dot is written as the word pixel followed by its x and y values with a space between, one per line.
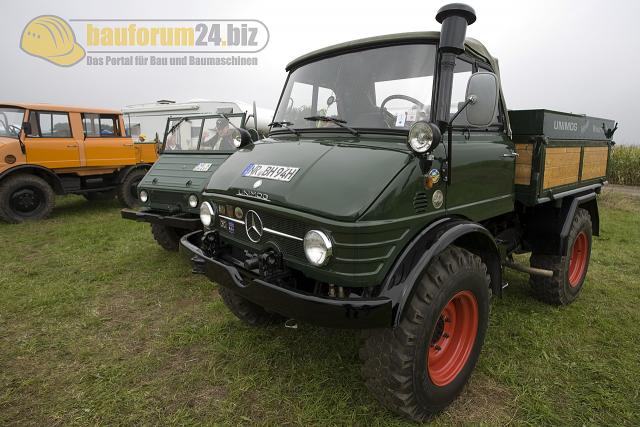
pixel 207 214
pixel 317 247
pixel 193 201
pixel 422 136
pixel 144 196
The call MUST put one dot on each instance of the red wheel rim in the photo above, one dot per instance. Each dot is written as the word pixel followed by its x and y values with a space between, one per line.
pixel 453 338
pixel 578 261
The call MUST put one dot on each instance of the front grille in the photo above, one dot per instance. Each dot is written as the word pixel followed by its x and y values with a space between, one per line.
pixel 288 246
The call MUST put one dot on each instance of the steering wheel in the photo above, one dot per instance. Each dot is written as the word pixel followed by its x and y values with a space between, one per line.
pixel 14 129
pixel 389 118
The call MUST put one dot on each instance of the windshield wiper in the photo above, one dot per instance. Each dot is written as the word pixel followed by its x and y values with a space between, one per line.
pixel 175 126
pixel 337 121
pixel 285 125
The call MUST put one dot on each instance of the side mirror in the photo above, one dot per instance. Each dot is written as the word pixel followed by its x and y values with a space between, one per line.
pixel 245 138
pixel 482 89
pixel 26 127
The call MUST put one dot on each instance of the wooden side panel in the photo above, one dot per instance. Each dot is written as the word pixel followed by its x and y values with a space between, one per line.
pixel 561 166
pixel 523 164
pixel 594 163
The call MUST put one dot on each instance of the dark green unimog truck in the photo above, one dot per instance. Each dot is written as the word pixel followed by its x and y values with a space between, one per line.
pixel 389 196
pixel 193 148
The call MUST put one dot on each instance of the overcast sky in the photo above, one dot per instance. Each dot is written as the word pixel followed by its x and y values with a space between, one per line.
pixel 578 56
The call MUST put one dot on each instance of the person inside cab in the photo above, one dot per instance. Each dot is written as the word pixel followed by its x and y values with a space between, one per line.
pixel 222 139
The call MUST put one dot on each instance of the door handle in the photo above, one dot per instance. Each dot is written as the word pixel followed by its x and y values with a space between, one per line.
pixel 72 146
pixel 512 154
pixel 127 145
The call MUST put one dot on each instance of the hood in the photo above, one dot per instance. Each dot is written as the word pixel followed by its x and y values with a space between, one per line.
pixel 182 172
pixel 334 180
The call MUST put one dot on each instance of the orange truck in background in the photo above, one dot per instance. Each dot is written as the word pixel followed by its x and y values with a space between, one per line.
pixel 48 150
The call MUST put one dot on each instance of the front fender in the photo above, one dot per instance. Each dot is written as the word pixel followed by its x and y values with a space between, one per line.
pixel 399 284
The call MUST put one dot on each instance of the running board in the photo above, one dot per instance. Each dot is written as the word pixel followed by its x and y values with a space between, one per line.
pixel 527 269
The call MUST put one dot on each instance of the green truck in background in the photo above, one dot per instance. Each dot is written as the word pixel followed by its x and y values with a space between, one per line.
pixel 193 148
pixel 390 194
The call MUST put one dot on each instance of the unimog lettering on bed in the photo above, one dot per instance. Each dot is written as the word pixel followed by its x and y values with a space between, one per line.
pixel 413 188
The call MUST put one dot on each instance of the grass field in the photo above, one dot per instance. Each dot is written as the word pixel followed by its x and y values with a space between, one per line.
pixel 98 325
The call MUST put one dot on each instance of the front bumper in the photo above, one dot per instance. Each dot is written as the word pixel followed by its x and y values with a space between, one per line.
pixel 183 221
pixel 360 313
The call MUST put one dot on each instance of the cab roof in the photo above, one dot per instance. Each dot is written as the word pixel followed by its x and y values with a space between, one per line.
pixel 62 108
pixel 388 40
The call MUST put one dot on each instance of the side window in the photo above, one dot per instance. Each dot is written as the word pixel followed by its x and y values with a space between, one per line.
pixel 91 125
pixel 327 105
pixel 109 125
pixel 100 125
pixel 49 125
pixel 497 120
pixel 461 74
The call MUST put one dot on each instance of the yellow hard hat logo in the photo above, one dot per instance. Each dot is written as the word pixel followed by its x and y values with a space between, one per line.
pixel 51 38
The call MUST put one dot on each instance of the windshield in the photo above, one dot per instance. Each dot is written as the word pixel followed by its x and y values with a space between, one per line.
pixel 210 133
pixel 11 121
pixel 382 88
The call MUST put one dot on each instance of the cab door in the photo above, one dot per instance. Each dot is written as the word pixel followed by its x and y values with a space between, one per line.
pixel 105 143
pixel 483 160
pixel 51 142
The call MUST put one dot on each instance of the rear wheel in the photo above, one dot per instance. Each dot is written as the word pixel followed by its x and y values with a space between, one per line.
pixel 422 365
pixel 250 313
pixel 167 237
pixel 128 188
pixel 569 269
pixel 25 197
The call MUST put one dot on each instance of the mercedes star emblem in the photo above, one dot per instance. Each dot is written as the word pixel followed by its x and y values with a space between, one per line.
pixel 253 225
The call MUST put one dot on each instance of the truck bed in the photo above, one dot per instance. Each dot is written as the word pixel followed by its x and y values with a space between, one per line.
pixel 558 153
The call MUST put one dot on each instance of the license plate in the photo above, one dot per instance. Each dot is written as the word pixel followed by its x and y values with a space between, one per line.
pixel 202 167
pixel 274 172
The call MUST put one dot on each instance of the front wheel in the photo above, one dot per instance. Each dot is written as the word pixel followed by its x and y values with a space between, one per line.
pixel 167 237
pixel 422 365
pixel 128 188
pixel 250 313
pixel 25 197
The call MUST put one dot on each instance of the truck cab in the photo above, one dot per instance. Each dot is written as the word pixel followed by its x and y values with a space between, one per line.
pixel 193 148
pixel 386 198
pixel 50 149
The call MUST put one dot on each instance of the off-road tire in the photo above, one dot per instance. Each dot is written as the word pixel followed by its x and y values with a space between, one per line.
pixel 127 193
pixel 100 196
pixel 11 185
pixel 167 237
pixel 250 313
pixel 395 365
pixel 559 289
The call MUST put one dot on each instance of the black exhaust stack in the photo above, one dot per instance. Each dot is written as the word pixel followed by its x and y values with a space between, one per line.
pixel 455 18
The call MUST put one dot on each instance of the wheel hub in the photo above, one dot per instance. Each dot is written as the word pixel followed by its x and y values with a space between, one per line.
pixel 578 260
pixel 25 200
pixel 453 338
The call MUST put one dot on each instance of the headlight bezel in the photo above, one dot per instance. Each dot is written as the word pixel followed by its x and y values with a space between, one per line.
pixel 143 196
pixel 207 210
pixel 326 246
pixel 423 137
